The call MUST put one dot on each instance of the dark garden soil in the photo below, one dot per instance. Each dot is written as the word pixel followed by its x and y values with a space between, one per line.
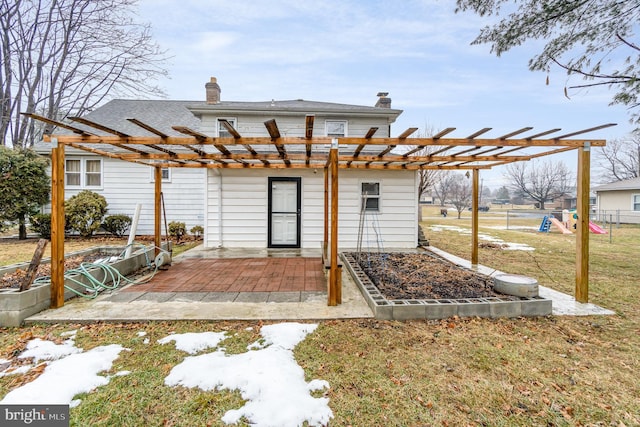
pixel 423 276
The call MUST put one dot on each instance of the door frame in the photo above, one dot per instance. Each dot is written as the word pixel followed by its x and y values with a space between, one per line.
pixel 298 181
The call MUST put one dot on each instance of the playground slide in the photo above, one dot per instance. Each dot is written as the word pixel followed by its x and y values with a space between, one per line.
pixel 560 226
pixel 595 228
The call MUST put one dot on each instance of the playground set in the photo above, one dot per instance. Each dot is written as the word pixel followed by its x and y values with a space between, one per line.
pixel 567 224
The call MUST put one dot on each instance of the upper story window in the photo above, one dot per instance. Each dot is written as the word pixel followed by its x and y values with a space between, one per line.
pixel 166 174
pixel 83 173
pixel 222 131
pixel 636 202
pixel 370 192
pixel 336 128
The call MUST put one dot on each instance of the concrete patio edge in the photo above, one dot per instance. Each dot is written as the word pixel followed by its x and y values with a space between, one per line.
pixel 100 310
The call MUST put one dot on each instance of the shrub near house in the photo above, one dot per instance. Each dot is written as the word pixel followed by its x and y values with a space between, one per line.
pixel 84 212
pixel 117 224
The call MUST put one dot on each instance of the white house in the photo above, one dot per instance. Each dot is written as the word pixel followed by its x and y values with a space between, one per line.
pixel 253 207
pixel 619 201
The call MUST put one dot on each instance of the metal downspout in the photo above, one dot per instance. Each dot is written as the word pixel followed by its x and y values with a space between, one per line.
pixel 220 228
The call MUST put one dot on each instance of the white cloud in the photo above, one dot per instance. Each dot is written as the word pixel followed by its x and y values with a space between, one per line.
pixel 346 51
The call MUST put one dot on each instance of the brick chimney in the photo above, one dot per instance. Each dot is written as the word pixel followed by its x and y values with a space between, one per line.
pixel 383 101
pixel 213 91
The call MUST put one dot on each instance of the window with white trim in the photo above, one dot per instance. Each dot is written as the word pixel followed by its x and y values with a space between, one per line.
pixel 93 173
pixel 83 173
pixel 636 202
pixel 370 192
pixel 222 131
pixel 336 128
pixel 73 173
pixel 166 174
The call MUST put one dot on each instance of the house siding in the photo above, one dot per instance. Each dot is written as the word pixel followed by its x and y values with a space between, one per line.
pixel 244 210
pixel 618 205
pixel 127 184
pixel 293 125
pixel 231 204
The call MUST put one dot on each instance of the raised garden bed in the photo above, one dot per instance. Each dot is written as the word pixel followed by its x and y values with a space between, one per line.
pixel 15 306
pixel 404 286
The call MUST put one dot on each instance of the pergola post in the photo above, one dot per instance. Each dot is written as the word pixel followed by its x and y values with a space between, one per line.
pixel 335 293
pixel 582 224
pixel 157 217
pixel 57 224
pixel 474 216
pixel 325 242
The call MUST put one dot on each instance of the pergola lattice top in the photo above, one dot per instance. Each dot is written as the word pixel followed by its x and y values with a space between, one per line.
pixel 195 149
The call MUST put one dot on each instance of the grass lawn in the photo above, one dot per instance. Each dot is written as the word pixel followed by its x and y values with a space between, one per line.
pixel 555 371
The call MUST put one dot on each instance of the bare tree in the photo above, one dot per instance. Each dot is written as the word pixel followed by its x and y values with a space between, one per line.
pixel 426 177
pixel 443 184
pixel 541 181
pixel 595 40
pixel 64 57
pixel 461 192
pixel 620 159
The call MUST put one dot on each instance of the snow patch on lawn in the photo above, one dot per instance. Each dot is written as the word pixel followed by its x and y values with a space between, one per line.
pixel 486 237
pixel 70 371
pixel 267 376
pixel 193 342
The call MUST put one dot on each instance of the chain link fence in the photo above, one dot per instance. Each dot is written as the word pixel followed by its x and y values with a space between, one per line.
pixel 616 217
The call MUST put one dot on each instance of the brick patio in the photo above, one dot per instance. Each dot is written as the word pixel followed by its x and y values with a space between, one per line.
pixel 239 275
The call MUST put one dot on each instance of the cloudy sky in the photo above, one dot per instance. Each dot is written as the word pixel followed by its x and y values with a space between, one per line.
pixel 348 50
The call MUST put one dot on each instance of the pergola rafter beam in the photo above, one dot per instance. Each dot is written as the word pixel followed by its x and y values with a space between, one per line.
pixel 580 132
pixel 57 124
pixel 436 136
pixel 236 135
pixel 274 132
pixel 541 134
pixel 308 134
pixel 478 133
pixel 202 138
pixel 403 136
pixel 504 137
pixel 156 132
pixel 148 128
pixel 367 136
pixel 99 126
pixel 229 127
pixel 103 153
pixel 514 133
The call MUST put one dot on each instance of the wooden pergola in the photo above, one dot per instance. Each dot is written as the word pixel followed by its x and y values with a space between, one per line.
pixel 188 148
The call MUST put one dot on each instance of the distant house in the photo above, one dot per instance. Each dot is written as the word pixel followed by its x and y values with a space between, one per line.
pixel 261 208
pixel 619 201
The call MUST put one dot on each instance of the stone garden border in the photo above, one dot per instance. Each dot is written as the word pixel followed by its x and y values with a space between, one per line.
pixel 491 307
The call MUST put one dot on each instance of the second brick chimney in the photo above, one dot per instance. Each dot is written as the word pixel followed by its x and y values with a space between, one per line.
pixel 213 91
pixel 383 101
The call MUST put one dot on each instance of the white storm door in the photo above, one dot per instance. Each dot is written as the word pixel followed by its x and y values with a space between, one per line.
pixel 284 212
